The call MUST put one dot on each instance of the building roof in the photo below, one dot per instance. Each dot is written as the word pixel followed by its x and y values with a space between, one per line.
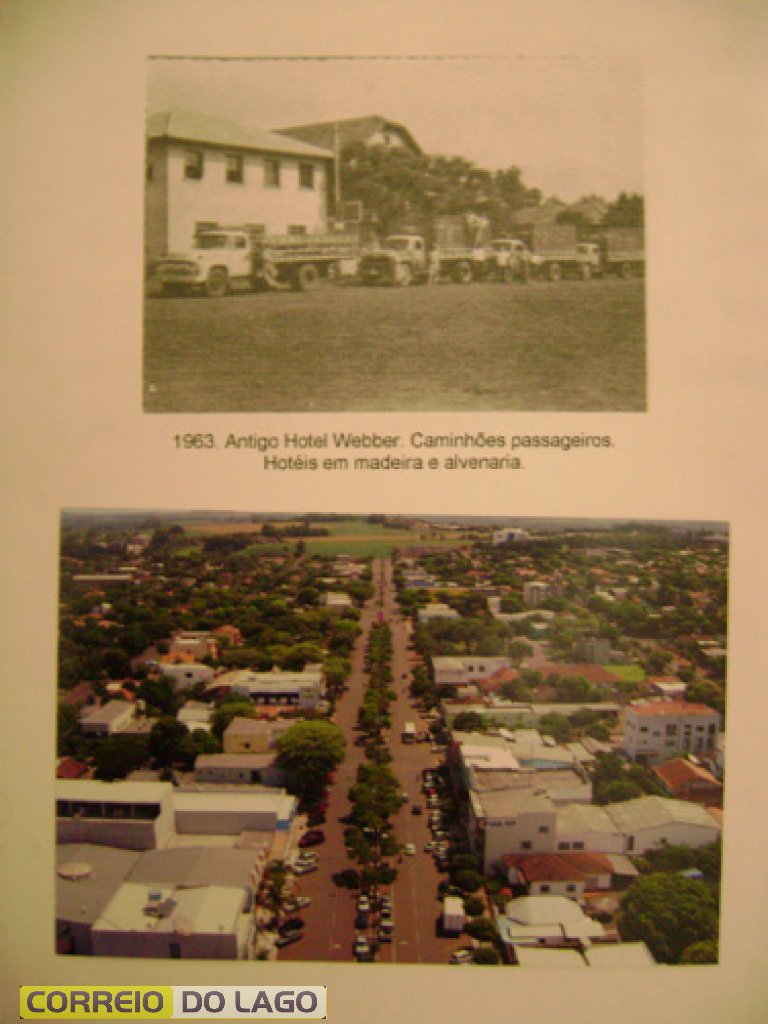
pixel 497 803
pixel 207 910
pixel 669 709
pixel 70 768
pixel 235 760
pixel 270 801
pixel 184 126
pixel 619 954
pixel 87 876
pixel 92 791
pixel 584 817
pixel 547 916
pixel 676 774
pixel 195 865
pixel 548 958
pixel 656 811
pixel 349 130
pixel 558 867
pixel 107 713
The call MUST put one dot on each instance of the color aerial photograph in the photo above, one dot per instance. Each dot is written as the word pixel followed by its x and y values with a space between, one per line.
pixel 390 739
pixel 394 234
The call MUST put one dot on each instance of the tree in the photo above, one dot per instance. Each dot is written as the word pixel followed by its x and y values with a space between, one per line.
pixel 307 753
pixel 164 740
pixel 704 952
pixel 486 955
pixel 467 880
pixel 668 912
pixel 223 715
pixel 469 721
pixel 483 929
pixel 473 906
pixel 117 755
pixel 557 726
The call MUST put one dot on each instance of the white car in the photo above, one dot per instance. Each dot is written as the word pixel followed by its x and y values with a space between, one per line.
pixel 363 904
pixel 361 946
pixel 462 956
pixel 409 850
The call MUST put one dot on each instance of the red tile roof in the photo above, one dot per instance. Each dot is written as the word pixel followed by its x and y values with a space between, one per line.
pixel 678 773
pixel 670 708
pixel 70 768
pixel 558 867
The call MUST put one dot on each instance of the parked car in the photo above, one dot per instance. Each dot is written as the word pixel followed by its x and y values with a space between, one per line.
pixel 409 850
pixel 361 946
pixel 462 956
pixel 416 809
pixel 361 920
pixel 363 903
pixel 314 837
pixel 316 818
pixel 305 868
pixel 291 925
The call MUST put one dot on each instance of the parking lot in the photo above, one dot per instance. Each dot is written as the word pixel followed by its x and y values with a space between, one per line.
pixel 567 346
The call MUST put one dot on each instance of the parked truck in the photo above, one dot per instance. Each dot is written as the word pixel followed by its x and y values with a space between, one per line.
pixel 557 253
pixel 508 259
pixel 223 257
pixel 623 251
pixel 451 246
pixel 454 917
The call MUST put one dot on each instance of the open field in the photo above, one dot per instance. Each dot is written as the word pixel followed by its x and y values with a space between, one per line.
pixel 570 346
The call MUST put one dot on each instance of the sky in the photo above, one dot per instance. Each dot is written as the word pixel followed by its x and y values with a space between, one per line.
pixel 572 125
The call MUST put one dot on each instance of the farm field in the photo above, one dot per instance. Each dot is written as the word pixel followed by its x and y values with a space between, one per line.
pixel 570 346
pixel 357 538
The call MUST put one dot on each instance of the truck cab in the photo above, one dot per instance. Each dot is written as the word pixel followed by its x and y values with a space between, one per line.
pixel 401 259
pixel 217 257
pixel 508 259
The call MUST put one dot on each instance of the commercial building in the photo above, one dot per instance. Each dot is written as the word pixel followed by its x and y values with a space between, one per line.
pixel 657 730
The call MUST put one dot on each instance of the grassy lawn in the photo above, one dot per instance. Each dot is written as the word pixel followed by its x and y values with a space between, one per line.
pixel 627 673
pixel 572 346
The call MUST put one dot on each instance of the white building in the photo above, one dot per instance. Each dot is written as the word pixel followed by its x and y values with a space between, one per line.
pixel 288 689
pixel 131 815
pixel 653 821
pixel 240 769
pixel 510 535
pixel 461 670
pixel 546 921
pixel 204 171
pixel 657 730
pixel 252 735
pixel 108 719
pixel 185 675
pixel 436 610
pixel 510 821
pixel 534 593
pixel 230 813
pixel 588 828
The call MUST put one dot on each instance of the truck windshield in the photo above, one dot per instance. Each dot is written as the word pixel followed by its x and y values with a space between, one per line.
pixel 212 241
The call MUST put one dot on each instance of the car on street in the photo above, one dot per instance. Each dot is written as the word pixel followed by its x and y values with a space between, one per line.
pixel 314 837
pixel 385 932
pixel 305 868
pixel 409 850
pixel 416 809
pixel 361 946
pixel 361 920
pixel 291 925
pixel 363 903
pixel 462 956
pixel 316 818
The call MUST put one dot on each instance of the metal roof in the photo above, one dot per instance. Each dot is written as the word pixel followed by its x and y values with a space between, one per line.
pixel 215 131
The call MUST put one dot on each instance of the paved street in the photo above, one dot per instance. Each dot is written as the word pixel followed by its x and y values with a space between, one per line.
pixel 330 918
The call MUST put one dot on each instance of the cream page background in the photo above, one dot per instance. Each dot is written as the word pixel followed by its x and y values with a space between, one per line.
pixel 73 92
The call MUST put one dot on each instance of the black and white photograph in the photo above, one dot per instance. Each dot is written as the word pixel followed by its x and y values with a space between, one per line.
pixel 394 234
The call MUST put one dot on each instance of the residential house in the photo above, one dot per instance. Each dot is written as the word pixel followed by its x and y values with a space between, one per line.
pixel 108 719
pixel 283 689
pixel 686 780
pixel 559 874
pixel 243 769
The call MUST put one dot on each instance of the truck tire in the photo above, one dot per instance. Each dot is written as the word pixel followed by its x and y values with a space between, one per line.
pixel 462 273
pixel 403 275
pixel 554 271
pixel 217 282
pixel 586 271
pixel 305 277
pixel 625 270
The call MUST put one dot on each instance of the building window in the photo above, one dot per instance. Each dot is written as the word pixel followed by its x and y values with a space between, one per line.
pixel 671 730
pixel 570 887
pixel 234 168
pixel 563 846
pixel 306 175
pixel 193 164
pixel 578 846
pixel 297 229
pixel 630 843
pixel 149 170
pixel 544 888
pixel 526 845
pixel 543 828
pixel 271 173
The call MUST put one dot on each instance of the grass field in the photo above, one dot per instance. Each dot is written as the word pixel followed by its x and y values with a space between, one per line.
pixel 571 346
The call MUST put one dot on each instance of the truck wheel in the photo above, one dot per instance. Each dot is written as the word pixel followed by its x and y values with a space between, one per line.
pixel 586 271
pixel 554 271
pixel 403 275
pixel 306 277
pixel 462 273
pixel 625 270
pixel 217 283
